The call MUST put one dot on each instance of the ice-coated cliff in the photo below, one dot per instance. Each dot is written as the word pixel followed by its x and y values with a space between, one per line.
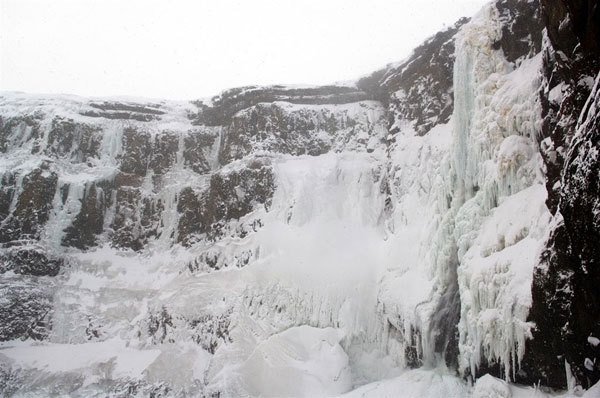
pixel 377 239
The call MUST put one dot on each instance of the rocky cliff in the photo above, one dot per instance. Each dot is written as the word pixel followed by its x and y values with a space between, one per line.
pixel 565 308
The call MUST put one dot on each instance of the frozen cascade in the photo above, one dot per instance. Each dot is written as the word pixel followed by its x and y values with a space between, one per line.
pixel 330 208
pixel 481 199
pixel 500 218
pixel 428 325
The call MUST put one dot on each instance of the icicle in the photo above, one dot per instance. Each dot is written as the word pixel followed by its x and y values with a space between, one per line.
pixel 494 160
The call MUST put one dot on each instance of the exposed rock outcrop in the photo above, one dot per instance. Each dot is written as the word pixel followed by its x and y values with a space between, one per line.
pixel 566 304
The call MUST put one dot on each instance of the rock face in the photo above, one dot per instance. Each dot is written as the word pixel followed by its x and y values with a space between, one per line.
pixel 565 308
pixel 420 89
pixel 131 175
pixel 442 209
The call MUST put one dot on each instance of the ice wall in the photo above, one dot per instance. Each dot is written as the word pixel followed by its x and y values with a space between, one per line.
pixel 478 215
pixel 501 219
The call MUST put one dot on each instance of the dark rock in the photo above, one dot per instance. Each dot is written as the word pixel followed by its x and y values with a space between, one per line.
pixel 159 326
pixel 151 109
pixel 125 226
pixel 127 180
pixel 230 195
pixel 33 206
pixel 214 260
pixel 210 331
pixel 521 28
pixel 15 131
pixel 164 152
pixel 195 144
pixel 566 304
pixel 76 141
pixel 137 149
pixel 443 330
pixel 576 34
pixel 29 260
pixel 413 349
pixel 229 102
pixel 190 205
pixel 273 128
pixel 25 307
pixel 89 222
pixel 7 192
pixel 124 111
pixel 566 62
pixel 207 330
pixel 137 218
pixel 421 88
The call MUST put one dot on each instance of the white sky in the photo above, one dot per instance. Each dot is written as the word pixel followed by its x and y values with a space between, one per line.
pixel 192 49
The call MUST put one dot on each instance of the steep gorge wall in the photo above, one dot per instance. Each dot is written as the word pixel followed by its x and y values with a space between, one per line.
pixel 566 309
pixel 81 174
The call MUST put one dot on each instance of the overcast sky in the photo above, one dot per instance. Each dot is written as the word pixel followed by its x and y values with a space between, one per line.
pixel 192 49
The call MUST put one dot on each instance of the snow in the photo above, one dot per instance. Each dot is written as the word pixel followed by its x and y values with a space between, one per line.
pixel 301 361
pixel 491 387
pixel 438 383
pixel 556 94
pixel 118 359
pixel 589 364
pixel 417 383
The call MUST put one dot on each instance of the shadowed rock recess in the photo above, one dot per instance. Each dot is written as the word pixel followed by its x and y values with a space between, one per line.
pixel 470 173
